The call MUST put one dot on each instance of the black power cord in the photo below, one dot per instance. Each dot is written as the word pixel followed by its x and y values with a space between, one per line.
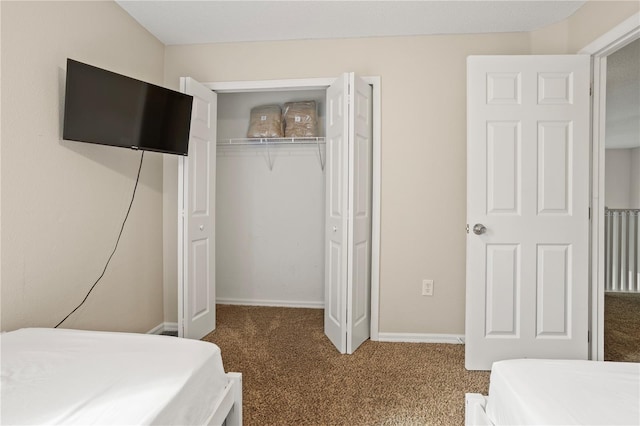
pixel 133 196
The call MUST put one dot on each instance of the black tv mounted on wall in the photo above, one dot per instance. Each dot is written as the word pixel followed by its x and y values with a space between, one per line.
pixel 106 108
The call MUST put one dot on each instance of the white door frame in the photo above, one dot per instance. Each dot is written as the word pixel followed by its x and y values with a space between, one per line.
pixel 321 84
pixel 610 42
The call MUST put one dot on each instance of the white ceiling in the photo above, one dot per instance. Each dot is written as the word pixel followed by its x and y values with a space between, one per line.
pixel 194 22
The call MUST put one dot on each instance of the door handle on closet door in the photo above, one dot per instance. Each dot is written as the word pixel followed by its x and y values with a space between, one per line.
pixel 335 229
pixel 202 227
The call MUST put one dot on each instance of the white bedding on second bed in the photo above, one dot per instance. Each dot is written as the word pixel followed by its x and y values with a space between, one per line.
pixel 560 392
pixel 55 376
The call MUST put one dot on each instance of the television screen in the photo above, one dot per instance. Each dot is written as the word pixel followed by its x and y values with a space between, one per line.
pixel 111 109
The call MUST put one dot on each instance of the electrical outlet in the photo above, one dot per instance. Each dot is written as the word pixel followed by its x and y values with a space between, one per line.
pixel 427 287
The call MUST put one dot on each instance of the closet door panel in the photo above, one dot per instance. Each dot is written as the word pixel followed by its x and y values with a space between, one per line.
pixel 196 257
pixel 348 215
pixel 336 219
pixel 359 237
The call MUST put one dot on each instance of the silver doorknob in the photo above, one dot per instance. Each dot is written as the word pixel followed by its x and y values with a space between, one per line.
pixel 201 227
pixel 479 229
pixel 335 228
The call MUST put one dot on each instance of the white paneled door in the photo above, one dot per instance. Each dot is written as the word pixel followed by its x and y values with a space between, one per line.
pixel 196 257
pixel 347 318
pixel 527 208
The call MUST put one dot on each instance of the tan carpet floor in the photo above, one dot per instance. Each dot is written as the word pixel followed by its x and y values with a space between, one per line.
pixel 292 375
pixel 622 327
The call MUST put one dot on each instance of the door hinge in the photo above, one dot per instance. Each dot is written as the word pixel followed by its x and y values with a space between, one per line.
pixel 467 228
pixel 588 336
pixel 590 90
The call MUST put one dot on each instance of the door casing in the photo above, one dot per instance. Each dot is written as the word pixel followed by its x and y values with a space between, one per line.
pixel 610 42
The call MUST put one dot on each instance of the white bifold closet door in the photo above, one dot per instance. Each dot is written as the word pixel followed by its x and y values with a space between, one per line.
pixel 347 318
pixel 348 214
pixel 196 210
pixel 527 208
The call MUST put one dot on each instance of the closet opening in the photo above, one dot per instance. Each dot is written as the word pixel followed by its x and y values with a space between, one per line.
pixel 270 201
pixel 289 209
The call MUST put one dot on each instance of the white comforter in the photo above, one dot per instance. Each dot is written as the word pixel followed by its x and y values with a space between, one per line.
pixel 561 392
pixel 55 376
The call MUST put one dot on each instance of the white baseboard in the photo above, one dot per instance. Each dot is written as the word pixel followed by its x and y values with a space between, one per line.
pixel 456 339
pixel 170 326
pixel 275 303
pixel 165 326
pixel 157 329
pixel 382 337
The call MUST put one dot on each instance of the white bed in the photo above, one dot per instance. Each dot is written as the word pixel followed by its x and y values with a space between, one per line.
pixel 58 376
pixel 558 392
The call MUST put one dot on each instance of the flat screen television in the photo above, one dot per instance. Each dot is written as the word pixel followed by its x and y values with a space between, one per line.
pixel 106 108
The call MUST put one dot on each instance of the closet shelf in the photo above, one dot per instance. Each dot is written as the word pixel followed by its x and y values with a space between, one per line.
pixel 266 142
pixel 271 141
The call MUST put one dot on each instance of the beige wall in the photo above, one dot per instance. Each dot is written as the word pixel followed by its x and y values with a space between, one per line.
pixel 622 178
pixel 617 180
pixel 596 18
pixel 423 82
pixel 635 179
pixel 63 202
pixel 423 150
pixel 588 23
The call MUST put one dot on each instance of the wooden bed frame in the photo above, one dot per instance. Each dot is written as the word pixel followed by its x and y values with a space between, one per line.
pixel 228 406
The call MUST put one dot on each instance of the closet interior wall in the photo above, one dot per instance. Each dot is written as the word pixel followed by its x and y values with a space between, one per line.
pixel 269 220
